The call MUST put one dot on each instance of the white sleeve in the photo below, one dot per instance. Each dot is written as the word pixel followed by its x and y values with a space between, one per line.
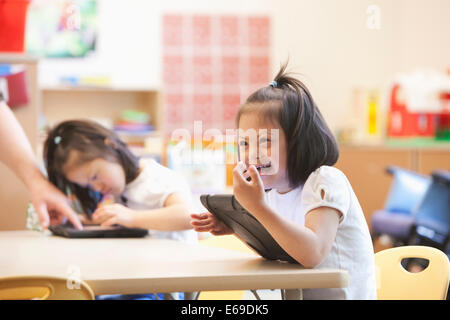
pixel 157 184
pixel 326 187
pixel 174 183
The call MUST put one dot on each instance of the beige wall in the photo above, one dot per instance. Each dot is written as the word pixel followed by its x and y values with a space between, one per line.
pixel 329 43
pixel 326 40
pixel 424 34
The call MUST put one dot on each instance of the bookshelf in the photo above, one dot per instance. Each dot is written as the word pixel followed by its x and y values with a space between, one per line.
pixel 106 104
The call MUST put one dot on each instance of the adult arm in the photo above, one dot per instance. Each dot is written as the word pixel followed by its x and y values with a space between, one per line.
pixel 17 154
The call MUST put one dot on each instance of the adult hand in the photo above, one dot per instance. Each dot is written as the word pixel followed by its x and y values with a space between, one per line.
pixel 17 153
pixel 51 205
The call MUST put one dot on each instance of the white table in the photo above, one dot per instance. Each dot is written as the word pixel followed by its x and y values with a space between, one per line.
pixel 145 265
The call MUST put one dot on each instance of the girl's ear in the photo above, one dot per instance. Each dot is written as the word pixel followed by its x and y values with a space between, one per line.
pixel 111 143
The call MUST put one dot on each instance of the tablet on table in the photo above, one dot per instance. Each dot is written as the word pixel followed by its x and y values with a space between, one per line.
pixel 96 231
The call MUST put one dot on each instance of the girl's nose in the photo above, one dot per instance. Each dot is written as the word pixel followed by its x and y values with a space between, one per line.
pixel 253 158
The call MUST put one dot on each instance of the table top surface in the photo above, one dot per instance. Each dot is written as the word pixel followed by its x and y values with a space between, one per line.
pixel 152 265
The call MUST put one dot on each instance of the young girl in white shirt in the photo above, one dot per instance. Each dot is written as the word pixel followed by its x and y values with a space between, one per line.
pixel 90 162
pixel 311 209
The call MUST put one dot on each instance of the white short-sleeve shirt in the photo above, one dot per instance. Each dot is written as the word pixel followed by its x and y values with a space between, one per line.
pixel 352 249
pixel 150 190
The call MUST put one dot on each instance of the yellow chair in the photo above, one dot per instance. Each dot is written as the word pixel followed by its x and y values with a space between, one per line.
pixel 228 242
pixel 43 288
pixel 394 282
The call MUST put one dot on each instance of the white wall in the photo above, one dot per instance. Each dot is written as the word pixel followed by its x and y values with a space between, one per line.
pixel 129 43
pixel 327 41
pixel 424 34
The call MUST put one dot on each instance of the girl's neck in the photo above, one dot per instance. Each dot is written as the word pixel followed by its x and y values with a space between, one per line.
pixel 284 189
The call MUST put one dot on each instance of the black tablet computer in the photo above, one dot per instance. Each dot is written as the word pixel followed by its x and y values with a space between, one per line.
pixel 96 231
pixel 226 208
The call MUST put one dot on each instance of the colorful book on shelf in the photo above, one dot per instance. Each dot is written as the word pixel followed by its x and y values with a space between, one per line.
pixel 134 116
pixel 133 128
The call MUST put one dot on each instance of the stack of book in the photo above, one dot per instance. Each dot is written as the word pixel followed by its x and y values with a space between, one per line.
pixel 132 122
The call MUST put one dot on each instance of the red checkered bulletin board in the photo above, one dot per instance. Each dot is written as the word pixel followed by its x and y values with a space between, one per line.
pixel 211 63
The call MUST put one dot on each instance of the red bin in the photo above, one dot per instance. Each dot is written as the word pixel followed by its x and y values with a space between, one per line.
pixel 13 15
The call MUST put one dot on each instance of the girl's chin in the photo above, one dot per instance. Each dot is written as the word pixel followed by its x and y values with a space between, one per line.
pixel 268 181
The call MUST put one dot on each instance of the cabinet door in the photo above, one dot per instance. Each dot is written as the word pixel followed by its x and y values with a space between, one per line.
pixel 429 160
pixel 365 168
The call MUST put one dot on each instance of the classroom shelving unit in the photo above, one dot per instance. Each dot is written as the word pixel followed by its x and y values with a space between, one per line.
pixel 58 103
pixel 107 102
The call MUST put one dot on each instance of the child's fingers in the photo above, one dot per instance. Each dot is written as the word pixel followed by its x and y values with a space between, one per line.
pixel 109 222
pixel 202 222
pixel 203 229
pixel 200 216
pixel 238 175
pixel 102 215
pixel 254 174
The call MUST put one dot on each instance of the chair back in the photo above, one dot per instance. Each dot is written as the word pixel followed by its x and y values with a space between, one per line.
pixel 394 282
pixel 44 288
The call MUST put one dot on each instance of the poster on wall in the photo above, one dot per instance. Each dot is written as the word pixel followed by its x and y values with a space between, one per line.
pixel 211 63
pixel 62 28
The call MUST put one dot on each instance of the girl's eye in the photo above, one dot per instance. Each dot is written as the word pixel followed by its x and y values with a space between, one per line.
pixel 243 143
pixel 263 140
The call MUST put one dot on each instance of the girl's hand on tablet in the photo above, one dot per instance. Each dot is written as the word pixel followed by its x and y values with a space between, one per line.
pixel 207 222
pixel 114 214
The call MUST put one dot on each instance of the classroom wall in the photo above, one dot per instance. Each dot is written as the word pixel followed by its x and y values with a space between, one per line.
pixel 130 39
pixel 327 41
pixel 423 34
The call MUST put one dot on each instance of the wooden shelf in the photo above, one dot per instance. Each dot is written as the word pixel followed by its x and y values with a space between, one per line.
pixel 12 58
pixel 94 88
pixel 66 102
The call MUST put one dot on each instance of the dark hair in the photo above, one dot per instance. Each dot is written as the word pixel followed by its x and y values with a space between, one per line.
pixel 310 142
pixel 92 141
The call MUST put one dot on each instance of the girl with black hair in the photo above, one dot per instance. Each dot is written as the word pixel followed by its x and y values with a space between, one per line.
pixel 88 161
pixel 311 209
